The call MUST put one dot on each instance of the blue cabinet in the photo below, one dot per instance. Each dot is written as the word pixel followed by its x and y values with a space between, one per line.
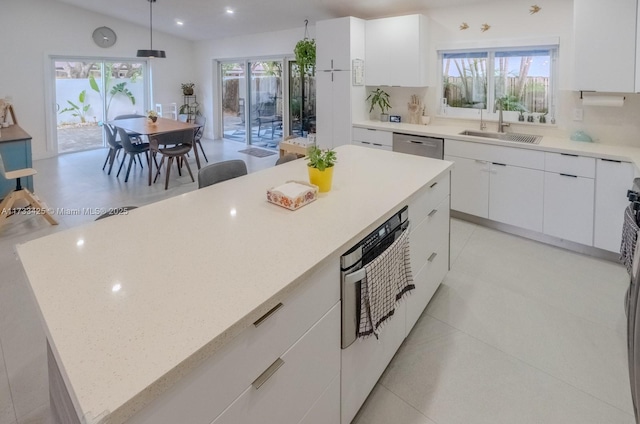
pixel 15 149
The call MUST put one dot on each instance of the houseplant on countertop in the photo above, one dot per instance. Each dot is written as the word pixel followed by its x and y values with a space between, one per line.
pixel 320 167
pixel 380 98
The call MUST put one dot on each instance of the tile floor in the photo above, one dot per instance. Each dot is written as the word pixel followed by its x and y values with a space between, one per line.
pixel 519 332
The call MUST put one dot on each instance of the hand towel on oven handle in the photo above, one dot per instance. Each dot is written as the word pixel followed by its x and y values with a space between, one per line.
pixel 387 279
pixel 629 237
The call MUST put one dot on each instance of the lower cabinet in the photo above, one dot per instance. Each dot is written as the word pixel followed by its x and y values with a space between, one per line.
pixel 515 196
pixel 613 179
pixel 568 207
pixel 470 186
pixel 373 138
pixel 302 374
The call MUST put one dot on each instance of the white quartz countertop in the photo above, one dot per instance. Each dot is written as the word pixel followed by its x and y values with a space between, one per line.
pixel 131 302
pixel 548 143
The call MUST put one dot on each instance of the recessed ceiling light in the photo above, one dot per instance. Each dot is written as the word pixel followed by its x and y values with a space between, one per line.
pixel 180 23
pixel 229 11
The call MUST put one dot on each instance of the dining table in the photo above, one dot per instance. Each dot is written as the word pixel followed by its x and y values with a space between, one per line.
pixel 144 126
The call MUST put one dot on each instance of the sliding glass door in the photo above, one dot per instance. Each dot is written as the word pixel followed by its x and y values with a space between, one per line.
pixel 233 101
pixel 302 101
pixel 89 92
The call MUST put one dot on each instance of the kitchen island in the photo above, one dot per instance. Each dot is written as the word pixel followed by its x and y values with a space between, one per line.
pixel 136 307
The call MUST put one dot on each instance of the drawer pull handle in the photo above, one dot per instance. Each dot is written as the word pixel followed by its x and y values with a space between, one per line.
pixel 433 185
pixel 365 142
pixel 432 257
pixel 377 144
pixel 500 164
pixel 569 175
pixel 433 212
pixel 611 160
pixel 258 382
pixel 481 161
pixel 270 312
pixel 371 129
pixel 569 154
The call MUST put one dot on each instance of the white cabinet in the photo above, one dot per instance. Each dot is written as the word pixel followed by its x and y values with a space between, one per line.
pixel 469 185
pixel 311 363
pixel 613 179
pixel 338 42
pixel 205 392
pixel 515 196
pixel 373 138
pixel 568 197
pixel 397 51
pixel 568 207
pixel 605 45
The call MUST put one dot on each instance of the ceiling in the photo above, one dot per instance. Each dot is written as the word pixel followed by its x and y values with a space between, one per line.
pixel 208 19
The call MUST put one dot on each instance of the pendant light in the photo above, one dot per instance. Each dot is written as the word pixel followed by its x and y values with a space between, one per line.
pixel 151 52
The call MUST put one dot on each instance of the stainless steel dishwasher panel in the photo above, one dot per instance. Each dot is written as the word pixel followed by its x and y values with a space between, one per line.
pixel 418 145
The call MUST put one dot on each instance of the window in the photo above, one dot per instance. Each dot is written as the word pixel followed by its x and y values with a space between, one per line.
pixel 520 79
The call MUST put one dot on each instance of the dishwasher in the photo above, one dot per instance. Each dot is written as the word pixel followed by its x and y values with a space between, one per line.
pixel 430 147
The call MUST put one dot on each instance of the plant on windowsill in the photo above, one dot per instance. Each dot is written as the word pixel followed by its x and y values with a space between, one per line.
pixel 320 167
pixel 380 98
pixel 187 88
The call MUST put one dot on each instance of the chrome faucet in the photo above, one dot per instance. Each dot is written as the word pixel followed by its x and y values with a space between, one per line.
pixel 483 125
pixel 501 123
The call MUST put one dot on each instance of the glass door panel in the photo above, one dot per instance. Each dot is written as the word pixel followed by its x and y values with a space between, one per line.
pixel 233 101
pixel 302 101
pixel 82 104
pixel 265 106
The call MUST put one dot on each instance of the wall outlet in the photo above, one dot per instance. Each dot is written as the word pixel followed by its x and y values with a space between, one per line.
pixel 578 114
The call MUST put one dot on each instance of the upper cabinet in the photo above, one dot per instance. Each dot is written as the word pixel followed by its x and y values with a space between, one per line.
pixel 605 45
pixel 397 51
pixel 338 41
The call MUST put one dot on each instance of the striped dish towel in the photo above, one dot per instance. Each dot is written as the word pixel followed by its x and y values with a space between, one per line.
pixel 629 237
pixel 388 278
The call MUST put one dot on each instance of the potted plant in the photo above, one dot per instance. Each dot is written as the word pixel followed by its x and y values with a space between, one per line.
pixel 320 167
pixel 152 115
pixel 380 98
pixel 187 88
pixel 305 52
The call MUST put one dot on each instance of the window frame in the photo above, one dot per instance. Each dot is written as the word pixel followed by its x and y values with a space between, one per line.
pixel 446 111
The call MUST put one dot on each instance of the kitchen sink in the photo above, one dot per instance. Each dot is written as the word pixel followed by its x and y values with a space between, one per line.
pixel 518 138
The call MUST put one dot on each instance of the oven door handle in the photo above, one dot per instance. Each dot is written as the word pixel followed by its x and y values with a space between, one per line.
pixel 350 318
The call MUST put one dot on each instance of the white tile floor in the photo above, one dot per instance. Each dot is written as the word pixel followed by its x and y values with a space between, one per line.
pixel 519 332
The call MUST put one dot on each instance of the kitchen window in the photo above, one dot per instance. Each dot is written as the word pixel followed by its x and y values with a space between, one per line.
pixel 522 80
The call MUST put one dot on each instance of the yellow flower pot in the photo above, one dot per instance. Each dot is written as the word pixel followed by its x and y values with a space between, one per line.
pixel 321 178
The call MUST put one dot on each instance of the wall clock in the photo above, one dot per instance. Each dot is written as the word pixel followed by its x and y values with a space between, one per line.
pixel 104 37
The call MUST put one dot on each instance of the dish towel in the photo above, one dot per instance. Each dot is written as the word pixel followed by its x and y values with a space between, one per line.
pixel 629 237
pixel 387 279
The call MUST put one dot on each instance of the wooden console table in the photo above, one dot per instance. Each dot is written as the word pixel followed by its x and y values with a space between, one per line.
pixel 292 148
pixel 15 148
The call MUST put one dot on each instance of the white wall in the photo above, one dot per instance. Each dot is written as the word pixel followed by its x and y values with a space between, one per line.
pixel 32 30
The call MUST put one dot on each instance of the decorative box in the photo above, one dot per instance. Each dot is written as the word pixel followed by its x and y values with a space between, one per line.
pixel 292 194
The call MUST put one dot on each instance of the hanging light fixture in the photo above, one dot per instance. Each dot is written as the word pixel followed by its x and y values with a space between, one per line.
pixel 151 52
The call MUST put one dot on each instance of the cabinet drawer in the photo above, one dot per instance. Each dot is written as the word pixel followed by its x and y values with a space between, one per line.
pixel 428 235
pixel 568 207
pixel 371 135
pixel 326 410
pixel 372 145
pixel 427 280
pixel 206 391
pixel 428 198
pixel 563 163
pixel 307 368
pixel 524 158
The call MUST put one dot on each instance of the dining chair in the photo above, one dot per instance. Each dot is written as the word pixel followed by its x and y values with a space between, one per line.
pixel 197 137
pixel 21 193
pixel 182 142
pixel 114 146
pixel 132 150
pixel 286 158
pixel 221 171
